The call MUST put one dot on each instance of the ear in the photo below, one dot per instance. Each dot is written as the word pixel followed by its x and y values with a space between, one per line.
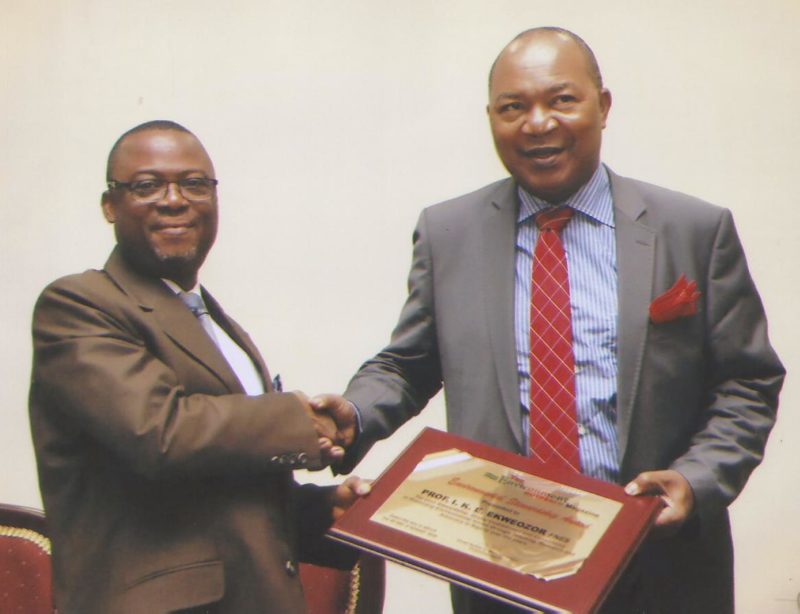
pixel 107 204
pixel 605 104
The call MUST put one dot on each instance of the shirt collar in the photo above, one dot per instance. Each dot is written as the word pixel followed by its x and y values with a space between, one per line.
pixel 178 290
pixel 593 200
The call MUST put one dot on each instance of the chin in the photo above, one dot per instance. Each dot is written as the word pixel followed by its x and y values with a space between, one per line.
pixel 173 262
pixel 553 187
pixel 545 190
pixel 176 255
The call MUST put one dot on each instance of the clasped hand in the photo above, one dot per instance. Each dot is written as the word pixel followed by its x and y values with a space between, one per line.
pixel 334 419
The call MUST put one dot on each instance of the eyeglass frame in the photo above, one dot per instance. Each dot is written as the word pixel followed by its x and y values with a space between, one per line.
pixel 113 184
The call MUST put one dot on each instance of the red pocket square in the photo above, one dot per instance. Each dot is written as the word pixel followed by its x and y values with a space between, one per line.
pixel 679 301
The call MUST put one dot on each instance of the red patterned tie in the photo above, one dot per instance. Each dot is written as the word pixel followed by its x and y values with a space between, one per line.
pixel 554 432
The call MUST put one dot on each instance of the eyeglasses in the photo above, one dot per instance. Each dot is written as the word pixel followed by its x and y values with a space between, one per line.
pixel 193 189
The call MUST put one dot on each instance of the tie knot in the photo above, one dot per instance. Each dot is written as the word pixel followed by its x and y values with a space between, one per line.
pixel 194 302
pixel 554 218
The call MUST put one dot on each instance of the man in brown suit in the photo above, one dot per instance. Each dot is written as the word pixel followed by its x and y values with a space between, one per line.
pixel 165 456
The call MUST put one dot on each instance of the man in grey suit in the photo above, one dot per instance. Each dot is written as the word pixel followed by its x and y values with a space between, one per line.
pixel 674 401
pixel 165 456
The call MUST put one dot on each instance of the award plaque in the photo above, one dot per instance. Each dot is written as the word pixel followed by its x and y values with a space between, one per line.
pixel 523 532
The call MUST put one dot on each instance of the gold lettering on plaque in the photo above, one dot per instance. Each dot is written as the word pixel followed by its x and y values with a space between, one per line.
pixel 514 519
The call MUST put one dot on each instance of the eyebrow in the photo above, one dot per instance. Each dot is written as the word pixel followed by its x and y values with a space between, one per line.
pixel 507 96
pixel 161 172
pixel 558 87
pixel 553 89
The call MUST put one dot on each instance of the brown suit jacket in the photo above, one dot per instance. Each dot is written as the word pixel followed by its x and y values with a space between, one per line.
pixel 165 486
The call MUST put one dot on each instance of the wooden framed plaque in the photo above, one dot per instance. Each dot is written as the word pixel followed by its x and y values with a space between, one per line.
pixel 505 525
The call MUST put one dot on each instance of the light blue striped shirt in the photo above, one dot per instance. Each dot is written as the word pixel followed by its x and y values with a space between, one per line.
pixel 591 259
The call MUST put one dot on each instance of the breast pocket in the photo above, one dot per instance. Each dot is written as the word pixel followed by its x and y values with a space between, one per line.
pixel 676 348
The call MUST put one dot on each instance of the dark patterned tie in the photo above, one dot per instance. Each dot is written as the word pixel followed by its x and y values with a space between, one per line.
pixel 554 432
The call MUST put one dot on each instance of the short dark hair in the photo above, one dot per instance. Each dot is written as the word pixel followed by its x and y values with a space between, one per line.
pixel 591 60
pixel 156 124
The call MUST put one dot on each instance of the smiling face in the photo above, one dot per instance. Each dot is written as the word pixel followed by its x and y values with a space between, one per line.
pixel 170 237
pixel 547 114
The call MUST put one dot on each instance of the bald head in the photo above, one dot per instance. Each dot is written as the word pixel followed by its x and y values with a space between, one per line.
pixel 523 39
pixel 156 124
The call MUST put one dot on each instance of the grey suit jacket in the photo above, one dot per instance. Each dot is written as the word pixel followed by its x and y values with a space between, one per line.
pixel 697 394
pixel 165 487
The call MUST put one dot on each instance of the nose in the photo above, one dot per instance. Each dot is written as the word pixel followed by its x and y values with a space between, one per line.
pixel 539 121
pixel 173 198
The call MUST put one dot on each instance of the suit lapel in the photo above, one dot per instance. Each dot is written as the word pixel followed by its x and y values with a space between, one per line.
pixel 239 336
pixel 177 322
pixel 635 259
pixel 497 283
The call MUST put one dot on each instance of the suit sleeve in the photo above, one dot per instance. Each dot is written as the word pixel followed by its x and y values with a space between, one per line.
pixel 395 385
pixel 98 377
pixel 744 378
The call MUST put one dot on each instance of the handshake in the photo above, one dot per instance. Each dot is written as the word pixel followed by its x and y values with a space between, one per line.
pixel 334 419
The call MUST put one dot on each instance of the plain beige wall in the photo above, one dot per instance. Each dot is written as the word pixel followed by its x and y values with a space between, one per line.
pixel 332 123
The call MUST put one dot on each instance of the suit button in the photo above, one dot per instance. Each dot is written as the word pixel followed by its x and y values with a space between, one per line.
pixel 291 569
pixel 302 459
